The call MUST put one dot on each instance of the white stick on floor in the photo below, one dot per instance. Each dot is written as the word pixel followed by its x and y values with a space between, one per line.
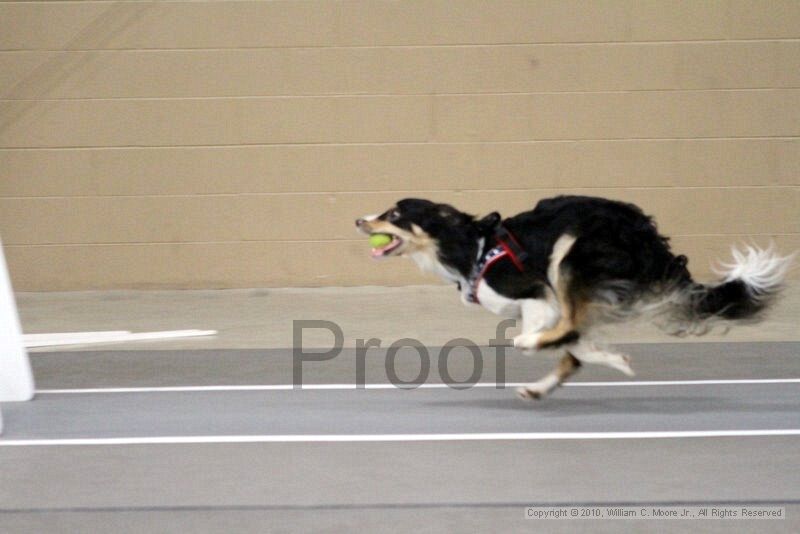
pixel 66 338
pixel 16 379
pixel 84 338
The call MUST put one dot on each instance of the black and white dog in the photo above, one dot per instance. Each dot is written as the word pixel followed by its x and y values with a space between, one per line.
pixel 569 265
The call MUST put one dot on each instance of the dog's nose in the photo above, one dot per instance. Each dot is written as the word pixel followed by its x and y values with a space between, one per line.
pixel 359 222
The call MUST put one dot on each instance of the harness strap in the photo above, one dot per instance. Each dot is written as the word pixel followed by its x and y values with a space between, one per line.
pixel 507 246
pixel 507 240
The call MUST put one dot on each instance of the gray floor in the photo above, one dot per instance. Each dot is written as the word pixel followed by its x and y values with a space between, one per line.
pixel 650 361
pixel 395 486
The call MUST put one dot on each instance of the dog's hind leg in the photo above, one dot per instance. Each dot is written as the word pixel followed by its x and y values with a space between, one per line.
pixel 568 365
pixel 589 353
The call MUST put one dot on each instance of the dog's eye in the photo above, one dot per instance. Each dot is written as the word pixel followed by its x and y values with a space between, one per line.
pixel 393 215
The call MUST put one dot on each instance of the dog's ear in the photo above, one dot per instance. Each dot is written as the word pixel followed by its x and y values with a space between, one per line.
pixel 489 223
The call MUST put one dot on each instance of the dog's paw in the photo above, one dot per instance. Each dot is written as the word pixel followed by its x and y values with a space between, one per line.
pixel 527 343
pixel 620 362
pixel 531 392
pixel 624 365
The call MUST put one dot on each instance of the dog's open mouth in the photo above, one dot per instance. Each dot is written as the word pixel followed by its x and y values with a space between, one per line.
pixel 385 250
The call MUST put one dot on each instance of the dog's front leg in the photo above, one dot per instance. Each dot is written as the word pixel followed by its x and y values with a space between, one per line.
pixel 560 320
pixel 537 315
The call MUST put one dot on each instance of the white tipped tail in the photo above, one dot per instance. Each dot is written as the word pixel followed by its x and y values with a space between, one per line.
pixel 761 270
pixel 748 286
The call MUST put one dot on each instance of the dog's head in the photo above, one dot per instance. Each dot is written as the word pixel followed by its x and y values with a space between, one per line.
pixel 421 226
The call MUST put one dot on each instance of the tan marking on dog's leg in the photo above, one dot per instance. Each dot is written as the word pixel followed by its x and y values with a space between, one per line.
pixel 567 366
pixel 570 312
pixel 537 315
pixel 573 313
pixel 561 248
pixel 566 329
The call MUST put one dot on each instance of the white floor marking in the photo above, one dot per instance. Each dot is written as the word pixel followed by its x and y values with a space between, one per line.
pixel 289 387
pixel 326 438
pixel 711 382
pixel 87 338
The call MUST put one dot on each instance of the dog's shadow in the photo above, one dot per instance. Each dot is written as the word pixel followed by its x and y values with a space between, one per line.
pixel 557 406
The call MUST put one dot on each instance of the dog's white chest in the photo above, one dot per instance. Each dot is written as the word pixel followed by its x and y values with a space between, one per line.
pixel 498 304
pixel 429 263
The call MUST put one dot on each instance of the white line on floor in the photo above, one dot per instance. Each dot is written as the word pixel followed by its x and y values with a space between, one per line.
pixel 325 438
pixel 289 387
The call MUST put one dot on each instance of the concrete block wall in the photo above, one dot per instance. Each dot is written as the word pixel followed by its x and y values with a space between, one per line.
pixel 205 144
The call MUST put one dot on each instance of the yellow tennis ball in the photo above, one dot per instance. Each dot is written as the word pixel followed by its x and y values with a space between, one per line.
pixel 379 240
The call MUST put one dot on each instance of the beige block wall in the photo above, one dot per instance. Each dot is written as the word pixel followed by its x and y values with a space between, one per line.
pixel 231 144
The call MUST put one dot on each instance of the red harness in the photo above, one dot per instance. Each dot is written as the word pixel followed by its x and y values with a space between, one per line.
pixel 506 246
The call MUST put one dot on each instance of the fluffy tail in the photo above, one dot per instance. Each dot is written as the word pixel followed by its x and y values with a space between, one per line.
pixel 749 285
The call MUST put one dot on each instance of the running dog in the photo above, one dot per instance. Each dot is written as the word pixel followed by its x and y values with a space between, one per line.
pixel 569 265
